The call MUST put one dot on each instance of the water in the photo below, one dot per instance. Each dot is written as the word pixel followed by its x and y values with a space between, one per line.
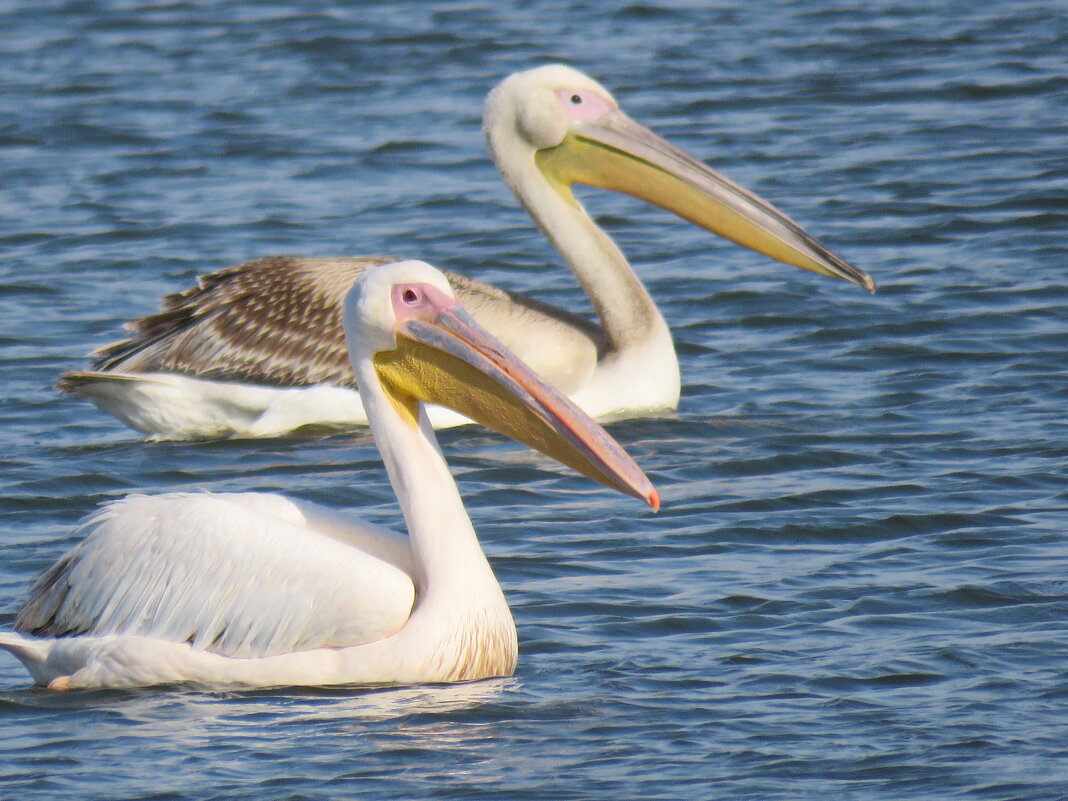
pixel 856 587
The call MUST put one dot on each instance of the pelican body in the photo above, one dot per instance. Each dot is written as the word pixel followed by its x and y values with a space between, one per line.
pixel 261 590
pixel 258 349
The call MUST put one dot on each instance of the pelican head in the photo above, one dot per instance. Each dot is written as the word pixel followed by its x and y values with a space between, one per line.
pixel 573 130
pixel 405 318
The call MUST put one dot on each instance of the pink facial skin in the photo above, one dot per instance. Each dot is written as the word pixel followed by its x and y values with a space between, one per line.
pixel 582 104
pixel 420 302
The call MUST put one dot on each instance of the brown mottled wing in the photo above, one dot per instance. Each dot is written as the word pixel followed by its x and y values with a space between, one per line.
pixel 273 321
pixel 277 322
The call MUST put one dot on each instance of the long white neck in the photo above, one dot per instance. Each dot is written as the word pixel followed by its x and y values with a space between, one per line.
pixel 449 560
pixel 628 315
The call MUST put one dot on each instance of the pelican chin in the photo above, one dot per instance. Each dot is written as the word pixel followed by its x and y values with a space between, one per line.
pixel 261 590
pixel 258 350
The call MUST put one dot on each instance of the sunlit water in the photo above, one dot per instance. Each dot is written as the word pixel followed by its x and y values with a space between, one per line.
pixel 856 588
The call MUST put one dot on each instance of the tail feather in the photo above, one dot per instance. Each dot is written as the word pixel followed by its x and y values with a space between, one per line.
pixel 31 652
pixel 83 382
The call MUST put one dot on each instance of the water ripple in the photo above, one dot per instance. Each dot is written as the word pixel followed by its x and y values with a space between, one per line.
pixel 855 586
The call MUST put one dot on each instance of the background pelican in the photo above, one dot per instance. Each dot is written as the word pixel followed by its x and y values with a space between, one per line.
pixel 258 349
pixel 259 590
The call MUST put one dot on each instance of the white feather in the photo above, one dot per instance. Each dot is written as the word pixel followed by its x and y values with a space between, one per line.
pixel 237 575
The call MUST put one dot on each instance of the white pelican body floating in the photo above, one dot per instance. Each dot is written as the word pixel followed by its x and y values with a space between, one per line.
pixel 260 590
pixel 258 350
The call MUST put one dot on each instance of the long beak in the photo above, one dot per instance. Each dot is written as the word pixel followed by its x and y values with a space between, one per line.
pixel 454 362
pixel 614 152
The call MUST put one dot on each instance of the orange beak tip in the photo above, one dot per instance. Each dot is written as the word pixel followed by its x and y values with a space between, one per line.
pixel 654 500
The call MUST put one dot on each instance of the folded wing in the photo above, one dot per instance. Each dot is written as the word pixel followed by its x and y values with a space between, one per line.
pixel 242 576
pixel 277 322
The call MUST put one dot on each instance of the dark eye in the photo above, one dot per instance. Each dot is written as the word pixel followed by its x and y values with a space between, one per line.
pixel 410 296
pixel 576 100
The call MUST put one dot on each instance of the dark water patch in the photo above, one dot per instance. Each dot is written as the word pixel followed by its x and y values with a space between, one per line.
pixel 26 287
pixel 403 147
pixel 76 133
pixel 14 138
pixel 640 12
pixel 885 681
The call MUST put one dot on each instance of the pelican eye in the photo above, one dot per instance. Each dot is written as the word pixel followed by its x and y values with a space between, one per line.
pixel 410 296
pixel 576 100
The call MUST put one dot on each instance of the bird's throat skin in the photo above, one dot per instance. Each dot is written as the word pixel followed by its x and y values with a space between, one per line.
pixel 455 363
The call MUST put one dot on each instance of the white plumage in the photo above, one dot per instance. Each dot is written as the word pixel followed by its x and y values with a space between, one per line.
pixel 257 590
pixel 193 568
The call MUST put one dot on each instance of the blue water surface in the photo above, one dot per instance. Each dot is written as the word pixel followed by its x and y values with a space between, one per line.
pixel 857 587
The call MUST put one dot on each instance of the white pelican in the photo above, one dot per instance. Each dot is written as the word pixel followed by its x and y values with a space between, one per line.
pixel 259 590
pixel 257 349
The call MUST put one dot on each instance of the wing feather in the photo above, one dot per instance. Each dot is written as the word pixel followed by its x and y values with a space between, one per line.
pixel 277 322
pixel 272 321
pixel 239 575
